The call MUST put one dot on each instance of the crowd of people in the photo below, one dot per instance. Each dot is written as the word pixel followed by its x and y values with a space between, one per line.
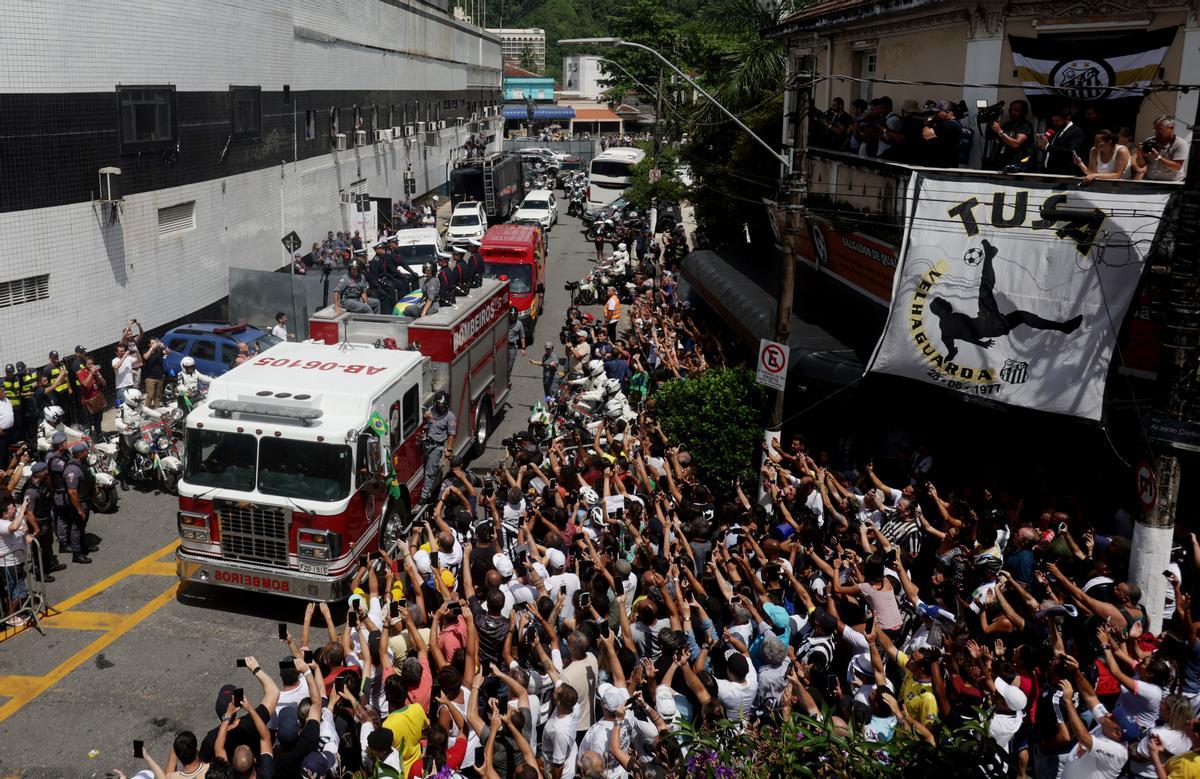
pixel 1077 140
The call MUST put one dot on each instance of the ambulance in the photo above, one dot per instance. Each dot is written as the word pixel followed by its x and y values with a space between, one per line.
pixel 310 455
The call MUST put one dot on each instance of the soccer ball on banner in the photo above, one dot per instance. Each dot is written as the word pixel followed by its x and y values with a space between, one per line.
pixel 973 256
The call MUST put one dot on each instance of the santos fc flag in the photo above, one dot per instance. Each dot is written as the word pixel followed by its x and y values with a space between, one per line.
pixel 1015 292
pixel 1083 70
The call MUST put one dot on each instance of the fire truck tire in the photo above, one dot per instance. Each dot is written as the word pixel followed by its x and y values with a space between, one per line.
pixel 483 427
pixel 395 523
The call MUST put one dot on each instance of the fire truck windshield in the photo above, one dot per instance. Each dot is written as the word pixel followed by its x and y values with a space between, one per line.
pixel 304 469
pixel 216 459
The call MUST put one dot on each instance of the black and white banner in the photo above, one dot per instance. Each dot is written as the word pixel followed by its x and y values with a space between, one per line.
pixel 1015 292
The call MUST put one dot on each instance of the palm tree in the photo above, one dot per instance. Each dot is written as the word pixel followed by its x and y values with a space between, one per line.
pixel 748 68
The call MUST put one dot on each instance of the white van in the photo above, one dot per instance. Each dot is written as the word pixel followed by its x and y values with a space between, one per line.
pixel 417 246
pixel 610 174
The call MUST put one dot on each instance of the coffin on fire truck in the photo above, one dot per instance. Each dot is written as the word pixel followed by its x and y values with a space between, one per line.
pixel 287 477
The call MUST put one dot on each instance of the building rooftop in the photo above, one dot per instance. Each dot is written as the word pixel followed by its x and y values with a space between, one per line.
pixel 515 71
pixel 828 13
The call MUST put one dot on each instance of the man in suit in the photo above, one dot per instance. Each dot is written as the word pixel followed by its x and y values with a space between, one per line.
pixel 1063 145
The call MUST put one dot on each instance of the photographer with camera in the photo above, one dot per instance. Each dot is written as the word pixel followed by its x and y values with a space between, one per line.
pixel 1014 153
pixel 1163 155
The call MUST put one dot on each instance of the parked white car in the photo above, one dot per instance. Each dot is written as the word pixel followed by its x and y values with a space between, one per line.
pixel 539 207
pixel 468 221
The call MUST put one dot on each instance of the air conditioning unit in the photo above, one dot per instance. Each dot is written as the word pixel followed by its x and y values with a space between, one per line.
pixel 473 127
pixel 442 125
pixel 347 197
pixel 487 110
pixel 431 138
pixel 420 127
pixel 379 136
pixel 110 184
pixel 474 116
pixel 360 137
pixel 341 142
pixel 408 131
pixel 397 132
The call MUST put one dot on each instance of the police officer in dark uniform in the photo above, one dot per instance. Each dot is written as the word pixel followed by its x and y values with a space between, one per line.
pixel 475 261
pixel 29 410
pixel 516 338
pixel 80 485
pixel 40 495
pixel 56 460
pixel 445 277
pixel 441 426
pixel 379 280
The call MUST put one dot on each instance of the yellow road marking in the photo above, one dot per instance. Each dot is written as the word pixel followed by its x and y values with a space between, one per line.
pixel 18 685
pixel 42 683
pixel 109 581
pixel 157 569
pixel 83 620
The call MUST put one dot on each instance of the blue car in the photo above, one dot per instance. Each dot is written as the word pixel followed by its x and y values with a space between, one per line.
pixel 213 345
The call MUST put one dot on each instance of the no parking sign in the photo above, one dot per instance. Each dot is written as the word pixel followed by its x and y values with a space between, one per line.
pixel 772 364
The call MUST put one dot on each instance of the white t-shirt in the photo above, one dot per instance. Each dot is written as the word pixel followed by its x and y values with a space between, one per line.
pixel 1104 760
pixel 6 415
pixel 12 544
pixel 565 582
pixel 738 698
pixel 816 506
pixel 558 741
pixel 1003 727
pixel 123 370
pixel 1141 703
pixel 1174 743
pixel 280 332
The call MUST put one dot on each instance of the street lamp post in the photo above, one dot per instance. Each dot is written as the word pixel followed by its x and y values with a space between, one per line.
pixel 798 190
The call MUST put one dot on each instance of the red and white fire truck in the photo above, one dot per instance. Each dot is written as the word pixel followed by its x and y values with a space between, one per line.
pixel 287 479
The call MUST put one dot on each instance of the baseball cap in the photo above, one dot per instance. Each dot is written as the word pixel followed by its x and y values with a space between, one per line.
pixel 1130 731
pixel 288 720
pixel 581 334
pixel 58 439
pixel 503 565
pixel 776 615
pixel 556 558
pixel 53 354
pixel 549 345
pixel 933 611
pixel 1012 695
pixel 541 570
pixel 79 447
pixel 37 468
pixel 358 597
pixel 316 765
pixel 614 698
pixel 910 106
pixel 224 697
pixel 861 666
pixel 423 562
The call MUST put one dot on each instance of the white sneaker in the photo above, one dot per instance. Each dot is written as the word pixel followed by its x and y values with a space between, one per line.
pixel 16 622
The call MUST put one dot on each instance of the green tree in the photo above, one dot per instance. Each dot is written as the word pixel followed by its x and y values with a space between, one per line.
pixel 643 192
pixel 529 59
pixel 717 418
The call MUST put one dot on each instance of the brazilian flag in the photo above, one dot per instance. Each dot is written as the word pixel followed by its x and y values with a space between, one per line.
pixel 379 424
pixel 414 298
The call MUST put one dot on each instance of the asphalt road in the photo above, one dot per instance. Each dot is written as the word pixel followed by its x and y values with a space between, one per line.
pixel 127 655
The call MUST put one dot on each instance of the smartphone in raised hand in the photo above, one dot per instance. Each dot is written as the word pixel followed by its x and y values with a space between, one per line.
pixel 137 749
pixel 283 631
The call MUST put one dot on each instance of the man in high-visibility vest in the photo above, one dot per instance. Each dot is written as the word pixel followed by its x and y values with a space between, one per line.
pixel 612 313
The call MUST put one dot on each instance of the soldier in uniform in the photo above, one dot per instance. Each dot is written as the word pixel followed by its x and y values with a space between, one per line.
pixel 440 429
pixel 351 293
pixel 80 485
pixel 516 338
pixel 475 260
pixel 462 271
pixel 40 495
pixel 380 281
pixel 30 413
pixel 430 288
pixel 445 277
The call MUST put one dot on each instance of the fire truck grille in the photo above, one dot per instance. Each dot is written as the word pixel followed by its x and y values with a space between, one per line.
pixel 255 534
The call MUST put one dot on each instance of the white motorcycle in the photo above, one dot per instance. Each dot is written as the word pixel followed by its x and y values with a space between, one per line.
pixel 155 457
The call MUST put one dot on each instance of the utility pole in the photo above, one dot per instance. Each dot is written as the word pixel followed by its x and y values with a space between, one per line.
pixel 1177 398
pixel 796 193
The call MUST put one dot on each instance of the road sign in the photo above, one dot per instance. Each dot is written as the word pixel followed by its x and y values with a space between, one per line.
pixel 772 364
pixel 291 241
pixel 1147 487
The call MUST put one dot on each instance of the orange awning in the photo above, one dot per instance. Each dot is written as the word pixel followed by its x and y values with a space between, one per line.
pixel 595 115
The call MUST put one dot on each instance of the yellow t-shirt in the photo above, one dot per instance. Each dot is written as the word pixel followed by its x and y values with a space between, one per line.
pixel 407 725
pixel 1185 766
pixel 917 697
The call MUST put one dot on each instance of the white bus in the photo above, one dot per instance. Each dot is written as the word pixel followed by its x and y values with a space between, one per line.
pixel 610 174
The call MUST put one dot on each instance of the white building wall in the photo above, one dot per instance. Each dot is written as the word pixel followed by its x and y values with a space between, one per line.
pixel 585 79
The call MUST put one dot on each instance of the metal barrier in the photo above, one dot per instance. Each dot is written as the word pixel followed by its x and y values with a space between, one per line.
pixel 21 573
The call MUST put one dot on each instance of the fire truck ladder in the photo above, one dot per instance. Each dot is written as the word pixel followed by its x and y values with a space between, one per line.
pixel 489 186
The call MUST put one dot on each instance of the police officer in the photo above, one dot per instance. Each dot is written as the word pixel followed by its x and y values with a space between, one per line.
pixel 379 280
pixel 40 495
pixel 445 277
pixel 12 390
pixel 475 261
pixel 60 392
pixel 516 338
pixel 351 293
pixel 80 485
pixel 440 428
pixel 430 289
pixel 551 372
pixel 56 460
pixel 29 411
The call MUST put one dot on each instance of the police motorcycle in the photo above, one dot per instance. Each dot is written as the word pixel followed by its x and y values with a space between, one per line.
pixel 151 451
pixel 99 459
